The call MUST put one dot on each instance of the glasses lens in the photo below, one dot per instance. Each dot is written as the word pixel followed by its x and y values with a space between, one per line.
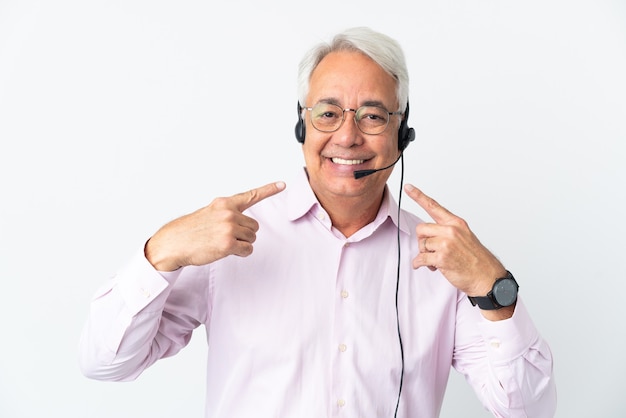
pixel 372 119
pixel 326 117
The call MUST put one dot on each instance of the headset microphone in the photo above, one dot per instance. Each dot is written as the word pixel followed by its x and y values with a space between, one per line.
pixel 362 173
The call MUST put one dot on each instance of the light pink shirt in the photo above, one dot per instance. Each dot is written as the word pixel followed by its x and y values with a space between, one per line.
pixel 306 325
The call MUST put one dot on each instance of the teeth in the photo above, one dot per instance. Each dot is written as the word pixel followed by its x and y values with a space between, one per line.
pixel 346 162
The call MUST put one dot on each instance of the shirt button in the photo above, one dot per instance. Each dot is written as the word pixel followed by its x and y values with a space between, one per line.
pixel 341 402
pixel 346 245
pixel 343 347
pixel 144 293
pixel 495 344
pixel 344 294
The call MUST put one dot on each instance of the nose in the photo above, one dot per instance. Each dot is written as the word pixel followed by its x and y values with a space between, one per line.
pixel 348 133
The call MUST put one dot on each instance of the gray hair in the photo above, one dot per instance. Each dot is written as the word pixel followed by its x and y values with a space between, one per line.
pixel 382 49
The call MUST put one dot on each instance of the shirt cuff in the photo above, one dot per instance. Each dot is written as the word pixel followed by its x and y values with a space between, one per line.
pixel 141 285
pixel 509 339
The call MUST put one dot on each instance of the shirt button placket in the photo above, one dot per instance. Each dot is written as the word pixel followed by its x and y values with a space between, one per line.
pixel 342 347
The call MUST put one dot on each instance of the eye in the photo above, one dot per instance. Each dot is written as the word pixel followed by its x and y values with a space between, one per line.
pixel 372 115
pixel 329 115
pixel 326 117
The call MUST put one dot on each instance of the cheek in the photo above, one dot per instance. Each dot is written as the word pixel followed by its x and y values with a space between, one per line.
pixel 389 148
pixel 310 153
pixel 312 146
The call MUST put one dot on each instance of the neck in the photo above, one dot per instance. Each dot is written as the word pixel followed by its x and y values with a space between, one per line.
pixel 351 214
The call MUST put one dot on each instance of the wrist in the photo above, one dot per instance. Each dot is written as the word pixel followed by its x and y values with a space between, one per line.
pixel 159 262
pixel 503 294
pixel 483 286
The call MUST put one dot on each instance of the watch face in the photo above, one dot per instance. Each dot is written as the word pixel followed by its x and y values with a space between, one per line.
pixel 505 291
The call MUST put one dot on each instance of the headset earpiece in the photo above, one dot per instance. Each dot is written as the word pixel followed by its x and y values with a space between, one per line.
pixel 300 130
pixel 405 134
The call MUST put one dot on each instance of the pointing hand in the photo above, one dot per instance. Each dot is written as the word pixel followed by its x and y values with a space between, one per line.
pixel 451 247
pixel 209 234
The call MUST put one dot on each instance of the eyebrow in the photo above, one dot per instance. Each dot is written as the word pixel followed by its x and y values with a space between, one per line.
pixel 329 100
pixel 377 103
pixel 335 101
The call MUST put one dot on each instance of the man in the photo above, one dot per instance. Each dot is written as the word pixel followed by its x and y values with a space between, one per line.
pixel 311 303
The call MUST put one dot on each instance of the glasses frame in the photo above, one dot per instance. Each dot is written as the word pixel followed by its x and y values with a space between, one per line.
pixel 343 117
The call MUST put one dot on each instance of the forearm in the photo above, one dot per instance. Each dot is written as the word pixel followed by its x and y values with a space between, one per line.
pixel 106 354
pixel 510 367
pixel 118 339
pixel 524 387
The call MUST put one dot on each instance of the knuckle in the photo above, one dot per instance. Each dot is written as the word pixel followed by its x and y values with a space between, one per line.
pixel 460 222
pixel 226 220
pixel 253 195
pixel 463 223
pixel 246 249
pixel 432 203
pixel 226 242
pixel 445 247
pixel 454 232
pixel 220 202
pixel 252 238
pixel 231 216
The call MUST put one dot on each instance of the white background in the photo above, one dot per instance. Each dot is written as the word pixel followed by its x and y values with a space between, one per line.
pixel 117 116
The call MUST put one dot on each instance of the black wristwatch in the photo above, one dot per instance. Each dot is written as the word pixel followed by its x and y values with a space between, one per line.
pixel 503 294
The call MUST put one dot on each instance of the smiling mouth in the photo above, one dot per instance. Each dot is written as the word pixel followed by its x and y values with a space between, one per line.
pixel 346 162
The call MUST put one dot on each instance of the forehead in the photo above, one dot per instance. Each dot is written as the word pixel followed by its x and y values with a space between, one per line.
pixel 351 78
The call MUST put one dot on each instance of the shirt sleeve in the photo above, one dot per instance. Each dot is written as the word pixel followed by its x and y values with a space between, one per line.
pixel 136 318
pixel 507 362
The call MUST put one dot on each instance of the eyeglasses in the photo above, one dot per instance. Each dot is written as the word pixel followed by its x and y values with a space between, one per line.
pixel 371 120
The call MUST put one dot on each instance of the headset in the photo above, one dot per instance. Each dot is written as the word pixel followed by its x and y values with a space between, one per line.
pixel 405 134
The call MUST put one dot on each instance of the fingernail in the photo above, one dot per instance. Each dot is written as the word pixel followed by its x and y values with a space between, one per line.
pixel 409 187
pixel 280 185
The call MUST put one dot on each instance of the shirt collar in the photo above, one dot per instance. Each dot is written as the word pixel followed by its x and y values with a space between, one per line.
pixel 300 196
pixel 301 200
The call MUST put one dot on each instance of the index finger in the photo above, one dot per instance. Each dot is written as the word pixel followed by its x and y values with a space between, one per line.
pixel 430 205
pixel 247 199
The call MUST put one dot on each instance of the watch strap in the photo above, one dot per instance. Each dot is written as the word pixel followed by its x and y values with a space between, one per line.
pixel 487 303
